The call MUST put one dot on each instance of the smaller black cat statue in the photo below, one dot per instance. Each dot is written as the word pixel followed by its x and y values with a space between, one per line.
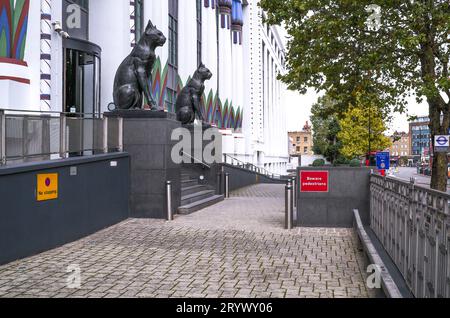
pixel 188 101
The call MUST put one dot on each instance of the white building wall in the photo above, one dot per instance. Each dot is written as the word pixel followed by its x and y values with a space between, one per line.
pixel 114 49
pixel 209 46
pixel 225 63
pixel 238 76
pixel 158 12
pixel 187 35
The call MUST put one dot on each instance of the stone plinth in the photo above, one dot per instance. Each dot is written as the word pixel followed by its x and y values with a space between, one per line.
pixel 147 138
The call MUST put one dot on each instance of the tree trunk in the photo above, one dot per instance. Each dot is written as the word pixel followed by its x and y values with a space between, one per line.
pixel 439 175
pixel 437 106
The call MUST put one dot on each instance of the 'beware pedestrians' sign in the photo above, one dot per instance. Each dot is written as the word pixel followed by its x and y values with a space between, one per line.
pixel 441 143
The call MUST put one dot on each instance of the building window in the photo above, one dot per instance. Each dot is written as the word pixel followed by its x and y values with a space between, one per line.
pixel 139 19
pixel 173 33
pixel 298 139
pixel 305 150
pixel 199 32
pixel 306 139
pixel 84 4
pixel 172 81
pixel 298 149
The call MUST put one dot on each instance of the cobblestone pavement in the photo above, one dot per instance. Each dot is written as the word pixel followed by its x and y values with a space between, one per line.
pixel 237 248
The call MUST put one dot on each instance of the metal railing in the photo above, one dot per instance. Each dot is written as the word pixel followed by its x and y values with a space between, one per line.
pixel 36 136
pixel 227 159
pixel 413 224
pixel 195 160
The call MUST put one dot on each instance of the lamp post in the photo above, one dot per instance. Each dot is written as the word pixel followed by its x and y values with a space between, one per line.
pixel 370 139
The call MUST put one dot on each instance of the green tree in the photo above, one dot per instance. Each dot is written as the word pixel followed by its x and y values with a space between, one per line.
pixel 362 130
pixel 325 130
pixel 320 124
pixel 335 47
pixel 333 151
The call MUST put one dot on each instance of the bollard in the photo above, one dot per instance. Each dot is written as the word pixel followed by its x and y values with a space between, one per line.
pixel 227 185
pixel 294 191
pixel 169 201
pixel 218 183
pixel 289 208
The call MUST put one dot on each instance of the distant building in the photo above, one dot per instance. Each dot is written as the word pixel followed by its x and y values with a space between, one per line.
pixel 401 145
pixel 301 141
pixel 420 142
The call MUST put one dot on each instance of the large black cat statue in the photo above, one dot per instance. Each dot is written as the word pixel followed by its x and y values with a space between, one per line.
pixel 133 75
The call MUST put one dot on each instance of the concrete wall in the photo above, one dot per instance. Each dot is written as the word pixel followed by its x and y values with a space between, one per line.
pixel 348 190
pixel 240 178
pixel 93 199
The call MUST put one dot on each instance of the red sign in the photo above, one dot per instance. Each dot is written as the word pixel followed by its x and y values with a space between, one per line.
pixel 314 181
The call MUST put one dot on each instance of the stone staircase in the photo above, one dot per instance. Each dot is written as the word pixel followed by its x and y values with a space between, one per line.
pixel 195 196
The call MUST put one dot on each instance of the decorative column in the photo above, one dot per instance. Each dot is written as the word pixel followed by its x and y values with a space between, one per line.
pixel 132 23
pixel 237 23
pixel 210 57
pixel 225 60
pixel 46 57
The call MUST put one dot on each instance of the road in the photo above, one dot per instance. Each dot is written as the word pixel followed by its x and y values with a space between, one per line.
pixel 407 173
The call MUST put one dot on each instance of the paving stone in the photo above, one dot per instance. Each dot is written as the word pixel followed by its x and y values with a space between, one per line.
pixel 237 248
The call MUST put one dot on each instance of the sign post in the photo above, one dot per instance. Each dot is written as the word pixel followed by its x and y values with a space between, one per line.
pixel 383 162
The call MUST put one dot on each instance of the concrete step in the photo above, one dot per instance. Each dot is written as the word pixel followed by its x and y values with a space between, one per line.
pixel 197 196
pixel 188 183
pixel 199 205
pixel 193 189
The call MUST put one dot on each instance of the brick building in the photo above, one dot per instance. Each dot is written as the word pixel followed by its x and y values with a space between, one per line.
pixel 302 141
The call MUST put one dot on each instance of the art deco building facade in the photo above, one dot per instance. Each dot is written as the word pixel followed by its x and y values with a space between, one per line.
pixel 73 69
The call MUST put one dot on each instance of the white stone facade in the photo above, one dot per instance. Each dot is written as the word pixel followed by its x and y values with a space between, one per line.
pixel 244 97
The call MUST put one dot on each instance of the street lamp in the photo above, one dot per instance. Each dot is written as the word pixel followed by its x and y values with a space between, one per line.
pixel 370 140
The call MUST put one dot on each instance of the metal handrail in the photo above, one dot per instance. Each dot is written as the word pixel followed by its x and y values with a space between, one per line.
pixel 252 166
pixel 413 225
pixel 45 143
pixel 45 112
pixel 197 160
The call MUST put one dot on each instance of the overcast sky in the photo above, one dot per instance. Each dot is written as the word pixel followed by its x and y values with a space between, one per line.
pixel 299 111
pixel 299 108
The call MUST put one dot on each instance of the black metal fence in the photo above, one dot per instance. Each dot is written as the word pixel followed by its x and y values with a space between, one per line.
pixel 413 224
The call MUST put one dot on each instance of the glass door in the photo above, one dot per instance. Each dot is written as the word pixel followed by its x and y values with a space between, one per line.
pixel 82 95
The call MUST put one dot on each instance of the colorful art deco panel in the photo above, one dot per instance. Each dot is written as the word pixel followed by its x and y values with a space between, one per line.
pixel 13 28
pixel 223 115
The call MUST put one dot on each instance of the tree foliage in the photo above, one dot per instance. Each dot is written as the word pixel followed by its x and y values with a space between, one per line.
pixel 362 130
pixel 332 49
pixel 320 124
pixel 325 130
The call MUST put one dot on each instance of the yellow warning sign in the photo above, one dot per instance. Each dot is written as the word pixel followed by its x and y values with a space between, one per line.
pixel 47 187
